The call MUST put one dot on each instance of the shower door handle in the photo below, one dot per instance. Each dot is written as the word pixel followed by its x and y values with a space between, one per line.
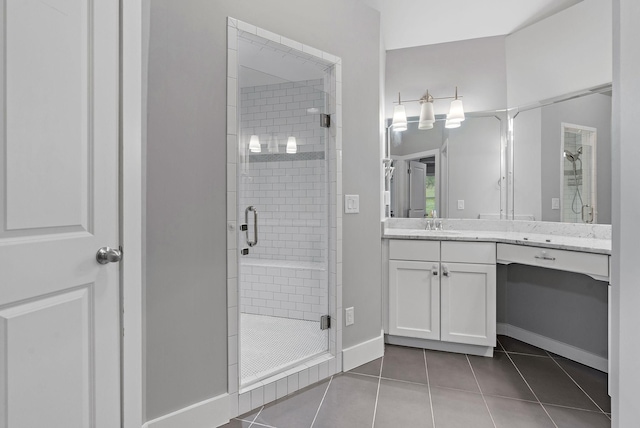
pixel 255 225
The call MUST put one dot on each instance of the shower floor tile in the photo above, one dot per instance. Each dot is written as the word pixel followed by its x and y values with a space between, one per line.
pixel 269 344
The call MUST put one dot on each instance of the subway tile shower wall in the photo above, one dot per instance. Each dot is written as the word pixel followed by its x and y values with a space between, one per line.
pixel 284 275
pixel 288 190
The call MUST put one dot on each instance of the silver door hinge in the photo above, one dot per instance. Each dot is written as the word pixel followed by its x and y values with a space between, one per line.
pixel 325 120
pixel 325 322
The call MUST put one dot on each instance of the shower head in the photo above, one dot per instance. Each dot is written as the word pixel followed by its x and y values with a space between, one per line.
pixel 573 157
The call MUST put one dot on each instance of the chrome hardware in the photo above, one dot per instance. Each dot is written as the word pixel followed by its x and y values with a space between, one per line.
pixel 445 270
pixel 434 270
pixel 325 322
pixel 543 256
pixel 244 251
pixel 588 210
pixel 255 225
pixel 108 255
pixel 244 227
pixel 325 120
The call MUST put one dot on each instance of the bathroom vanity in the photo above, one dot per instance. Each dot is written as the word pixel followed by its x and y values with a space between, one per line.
pixel 442 290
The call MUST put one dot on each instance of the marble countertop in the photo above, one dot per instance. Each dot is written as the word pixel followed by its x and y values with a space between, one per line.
pixel 587 244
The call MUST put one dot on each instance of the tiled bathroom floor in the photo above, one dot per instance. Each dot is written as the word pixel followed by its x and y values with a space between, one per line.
pixel 522 386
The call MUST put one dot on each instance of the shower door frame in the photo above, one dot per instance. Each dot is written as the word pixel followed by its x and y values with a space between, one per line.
pixel 244 399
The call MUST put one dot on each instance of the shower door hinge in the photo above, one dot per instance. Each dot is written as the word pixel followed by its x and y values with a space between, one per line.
pixel 244 227
pixel 325 322
pixel 325 120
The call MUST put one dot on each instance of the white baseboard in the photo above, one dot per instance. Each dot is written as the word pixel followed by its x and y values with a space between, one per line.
pixel 210 413
pixel 362 353
pixel 437 345
pixel 568 351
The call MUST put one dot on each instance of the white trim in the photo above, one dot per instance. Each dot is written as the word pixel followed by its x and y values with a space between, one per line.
pixel 205 414
pixel 563 349
pixel 438 345
pixel 362 353
pixel 131 213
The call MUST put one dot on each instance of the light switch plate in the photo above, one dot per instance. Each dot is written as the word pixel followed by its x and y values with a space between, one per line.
pixel 351 204
pixel 460 204
pixel 349 317
pixel 555 203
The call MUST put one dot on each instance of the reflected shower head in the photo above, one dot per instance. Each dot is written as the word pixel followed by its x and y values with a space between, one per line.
pixel 573 157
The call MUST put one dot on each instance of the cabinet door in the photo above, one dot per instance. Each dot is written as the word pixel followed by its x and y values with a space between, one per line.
pixel 414 299
pixel 468 311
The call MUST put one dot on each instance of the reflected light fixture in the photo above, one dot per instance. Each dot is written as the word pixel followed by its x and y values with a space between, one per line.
pixel 427 115
pixel 254 144
pixel 452 124
pixel 292 146
pixel 272 146
pixel 399 117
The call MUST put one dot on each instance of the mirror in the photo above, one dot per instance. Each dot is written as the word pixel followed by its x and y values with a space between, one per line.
pixel 454 173
pixel 562 160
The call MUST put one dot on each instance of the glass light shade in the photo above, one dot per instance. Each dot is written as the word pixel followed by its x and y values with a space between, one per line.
pixel 451 124
pixel 254 144
pixel 456 112
pixel 427 116
pixel 272 146
pixel 292 146
pixel 399 118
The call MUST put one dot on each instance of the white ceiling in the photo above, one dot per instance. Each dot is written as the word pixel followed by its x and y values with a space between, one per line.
pixel 409 23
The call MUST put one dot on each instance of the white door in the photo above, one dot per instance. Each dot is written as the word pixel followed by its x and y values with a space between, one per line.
pixel 414 299
pixel 59 308
pixel 468 303
pixel 417 189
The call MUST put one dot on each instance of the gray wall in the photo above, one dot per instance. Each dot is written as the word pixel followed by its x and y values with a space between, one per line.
pixel 185 292
pixel 474 154
pixel 592 111
pixel 568 307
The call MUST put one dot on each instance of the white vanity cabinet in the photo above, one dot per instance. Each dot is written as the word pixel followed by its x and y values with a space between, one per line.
pixel 468 293
pixel 414 289
pixel 443 291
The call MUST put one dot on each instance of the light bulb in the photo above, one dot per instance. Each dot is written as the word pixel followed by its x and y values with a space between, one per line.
pixel 456 112
pixel 292 146
pixel 427 116
pixel 254 144
pixel 451 124
pixel 399 118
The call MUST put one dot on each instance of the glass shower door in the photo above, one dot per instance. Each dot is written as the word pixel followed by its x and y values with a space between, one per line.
pixel 283 209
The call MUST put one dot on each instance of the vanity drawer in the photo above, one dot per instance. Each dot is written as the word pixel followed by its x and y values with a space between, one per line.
pixel 594 265
pixel 469 252
pixel 414 250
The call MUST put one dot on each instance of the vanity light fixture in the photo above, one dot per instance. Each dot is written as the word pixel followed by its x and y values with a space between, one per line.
pixel 254 144
pixel 427 116
pixel 399 117
pixel 292 146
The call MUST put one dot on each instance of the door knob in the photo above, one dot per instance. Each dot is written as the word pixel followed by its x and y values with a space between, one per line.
pixel 108 255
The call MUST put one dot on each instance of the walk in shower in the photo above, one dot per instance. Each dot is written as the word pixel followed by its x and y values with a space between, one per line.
pixel 283 203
